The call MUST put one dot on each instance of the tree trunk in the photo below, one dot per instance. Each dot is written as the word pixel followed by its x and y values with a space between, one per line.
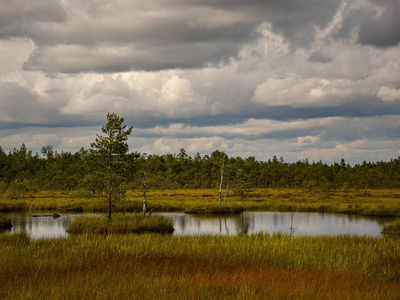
pixel 109 185
pixel 220 183
pixel 226 191
pixel 109 206
pixel 144 196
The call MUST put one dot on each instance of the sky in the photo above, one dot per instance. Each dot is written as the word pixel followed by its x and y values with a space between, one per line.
pixel 299 79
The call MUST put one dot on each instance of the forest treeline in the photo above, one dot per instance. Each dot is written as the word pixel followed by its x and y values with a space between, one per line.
pixel 21 171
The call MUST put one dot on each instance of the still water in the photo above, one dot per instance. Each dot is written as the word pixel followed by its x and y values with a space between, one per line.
pixel 311 224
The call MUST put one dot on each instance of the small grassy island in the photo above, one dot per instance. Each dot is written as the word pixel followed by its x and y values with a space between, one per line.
pixel 121 224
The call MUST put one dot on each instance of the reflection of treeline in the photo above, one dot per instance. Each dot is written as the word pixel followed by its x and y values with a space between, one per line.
pixel 22 171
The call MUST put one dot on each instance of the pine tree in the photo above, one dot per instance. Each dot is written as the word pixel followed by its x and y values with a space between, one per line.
pixel 109 156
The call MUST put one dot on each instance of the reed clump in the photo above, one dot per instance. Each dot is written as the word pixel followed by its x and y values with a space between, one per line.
pixel 121 224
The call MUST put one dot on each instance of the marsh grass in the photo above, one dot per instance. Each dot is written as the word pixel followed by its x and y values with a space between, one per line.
pixel 152 266
pixel 383 203
pixel 121 224
pixel 19 239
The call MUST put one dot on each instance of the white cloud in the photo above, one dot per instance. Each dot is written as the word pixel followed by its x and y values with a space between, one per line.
pixel 354 152
pixel 388 94
pixel 307 140
pixel 62 138
pixel 298 92
pixel 179 99
pixel 133 95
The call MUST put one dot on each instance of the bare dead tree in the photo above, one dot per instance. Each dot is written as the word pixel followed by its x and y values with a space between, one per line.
pixel 222 178
pixel 226 190
pixel 291 225
pixel 144 195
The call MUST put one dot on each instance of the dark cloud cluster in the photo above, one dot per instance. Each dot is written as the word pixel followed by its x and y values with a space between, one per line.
pixel 382 28
pixel 84 36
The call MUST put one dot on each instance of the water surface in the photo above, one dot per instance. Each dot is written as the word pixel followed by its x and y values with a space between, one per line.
pixel 311 224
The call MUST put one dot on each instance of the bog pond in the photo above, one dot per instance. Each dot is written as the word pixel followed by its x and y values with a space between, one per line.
pixel 310 224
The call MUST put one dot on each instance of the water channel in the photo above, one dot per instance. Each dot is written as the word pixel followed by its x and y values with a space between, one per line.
pixel 310 224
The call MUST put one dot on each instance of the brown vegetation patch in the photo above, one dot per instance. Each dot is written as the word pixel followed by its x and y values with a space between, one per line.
pixel 174 278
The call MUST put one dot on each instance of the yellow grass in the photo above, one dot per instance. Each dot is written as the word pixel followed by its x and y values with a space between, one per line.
pixel 367 202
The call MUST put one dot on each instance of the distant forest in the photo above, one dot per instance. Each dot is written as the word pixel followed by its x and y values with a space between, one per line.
pixel 21 172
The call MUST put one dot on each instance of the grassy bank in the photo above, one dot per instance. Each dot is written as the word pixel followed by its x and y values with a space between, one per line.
pixel 152 266
pixel 392 229
pixel 368 202
pixel 5 222
pixel 121 224
pixel 214 208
